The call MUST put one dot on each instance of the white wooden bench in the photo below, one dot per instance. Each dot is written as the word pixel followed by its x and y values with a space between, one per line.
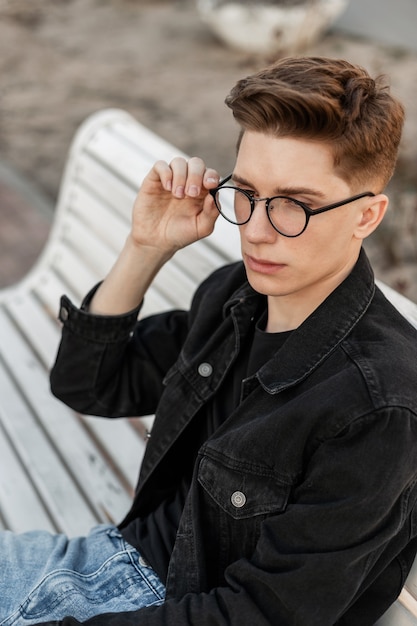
pixel 59 470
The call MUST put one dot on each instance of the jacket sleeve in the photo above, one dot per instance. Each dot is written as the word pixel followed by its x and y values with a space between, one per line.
pixel 114 366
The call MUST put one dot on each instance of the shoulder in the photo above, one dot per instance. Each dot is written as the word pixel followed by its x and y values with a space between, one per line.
pixel 383 346
pixel 385 332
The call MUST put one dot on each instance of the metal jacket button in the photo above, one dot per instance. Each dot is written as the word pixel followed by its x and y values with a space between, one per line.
pixel 238 499
pixel 63 314
pixel 205 369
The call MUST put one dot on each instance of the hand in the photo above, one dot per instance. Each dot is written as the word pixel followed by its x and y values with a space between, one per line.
pixel 173 207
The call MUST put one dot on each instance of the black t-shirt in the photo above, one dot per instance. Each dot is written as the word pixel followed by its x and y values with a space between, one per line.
pixel 154 536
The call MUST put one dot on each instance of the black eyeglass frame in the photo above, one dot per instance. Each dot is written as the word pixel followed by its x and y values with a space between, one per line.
pixel 308 212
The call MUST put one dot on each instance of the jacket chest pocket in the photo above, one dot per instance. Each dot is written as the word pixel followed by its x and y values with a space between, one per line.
pixel 235 504
pixel 241 493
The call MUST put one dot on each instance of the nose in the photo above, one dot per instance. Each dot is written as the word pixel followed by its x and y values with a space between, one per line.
pixel 259 229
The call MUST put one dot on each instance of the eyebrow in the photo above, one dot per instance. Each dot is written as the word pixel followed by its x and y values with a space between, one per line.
pixel 284 191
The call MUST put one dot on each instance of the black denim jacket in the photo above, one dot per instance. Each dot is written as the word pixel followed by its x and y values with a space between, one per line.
pixel 302 509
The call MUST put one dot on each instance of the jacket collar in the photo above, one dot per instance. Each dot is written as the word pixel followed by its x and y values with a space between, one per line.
pixel 321 333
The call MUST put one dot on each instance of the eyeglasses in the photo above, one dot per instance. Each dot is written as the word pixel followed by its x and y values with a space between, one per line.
pixel 288 216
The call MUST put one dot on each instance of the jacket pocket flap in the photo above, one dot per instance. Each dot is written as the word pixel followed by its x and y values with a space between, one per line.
pixel 242 493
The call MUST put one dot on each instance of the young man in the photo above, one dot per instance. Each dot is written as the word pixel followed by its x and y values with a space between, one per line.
pixel 279 485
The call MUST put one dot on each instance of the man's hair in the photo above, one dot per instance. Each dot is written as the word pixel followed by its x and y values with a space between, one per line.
pixel 326 100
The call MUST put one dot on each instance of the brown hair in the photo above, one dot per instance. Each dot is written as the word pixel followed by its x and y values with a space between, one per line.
pixel 327 100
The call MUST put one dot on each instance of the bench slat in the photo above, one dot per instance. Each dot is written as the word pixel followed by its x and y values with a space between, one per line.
pixel 90 249
pixel 411 583
pixel 171 283
pixel 95 479
pixel 120 434
pixel 18 496
pixel 71 270
pixel 106 432
pixel 131 162
pixel 138 135
pixel 397 615
pixel 408 601
pixel 49 289
pixel 57 492
pixel 42 334
pixel 101 218
pixel 97 180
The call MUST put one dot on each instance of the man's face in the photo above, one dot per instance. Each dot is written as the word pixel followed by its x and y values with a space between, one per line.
pixel 300 271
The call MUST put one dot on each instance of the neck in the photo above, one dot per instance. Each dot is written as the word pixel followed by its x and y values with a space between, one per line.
pixel 284 316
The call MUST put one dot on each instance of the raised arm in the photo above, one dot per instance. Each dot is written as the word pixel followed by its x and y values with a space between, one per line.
pixel 172 210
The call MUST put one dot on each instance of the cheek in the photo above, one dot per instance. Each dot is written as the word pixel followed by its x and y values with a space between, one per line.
pixel 329 232
pixel 320 250
pixel 309 248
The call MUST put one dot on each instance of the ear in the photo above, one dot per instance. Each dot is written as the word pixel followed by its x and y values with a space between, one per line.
pixel 371 215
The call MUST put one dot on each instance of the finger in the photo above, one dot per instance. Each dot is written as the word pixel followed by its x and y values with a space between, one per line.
pixel 179 169
pixel 207 218
pixel 161 172
pixel 186 178
pixel 211 178
pixel 195 175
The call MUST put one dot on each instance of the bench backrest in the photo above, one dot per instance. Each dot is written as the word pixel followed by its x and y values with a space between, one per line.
pixel 72 471
pixel 107 162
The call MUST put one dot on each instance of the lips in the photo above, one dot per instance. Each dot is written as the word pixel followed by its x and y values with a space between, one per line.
pixel 262 266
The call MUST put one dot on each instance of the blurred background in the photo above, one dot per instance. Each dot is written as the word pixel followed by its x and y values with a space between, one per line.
pixel 170 63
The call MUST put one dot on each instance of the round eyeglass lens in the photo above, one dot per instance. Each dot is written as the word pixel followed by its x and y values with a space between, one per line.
pixel 285 214
pixel 234 205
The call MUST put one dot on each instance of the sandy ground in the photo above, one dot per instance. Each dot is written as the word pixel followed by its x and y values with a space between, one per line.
pixel 62 60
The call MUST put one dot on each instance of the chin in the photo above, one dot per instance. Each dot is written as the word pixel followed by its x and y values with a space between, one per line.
pixel 265 285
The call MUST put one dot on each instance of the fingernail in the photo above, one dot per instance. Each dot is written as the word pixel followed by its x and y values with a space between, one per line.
pixel 168 185
pixel 179 192
pixel 212 180
pixel 193 190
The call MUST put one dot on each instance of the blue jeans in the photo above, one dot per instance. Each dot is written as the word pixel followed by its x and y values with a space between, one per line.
pixel 45 577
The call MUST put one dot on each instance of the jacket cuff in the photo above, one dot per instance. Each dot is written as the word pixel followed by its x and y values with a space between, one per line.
pixel 103 328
